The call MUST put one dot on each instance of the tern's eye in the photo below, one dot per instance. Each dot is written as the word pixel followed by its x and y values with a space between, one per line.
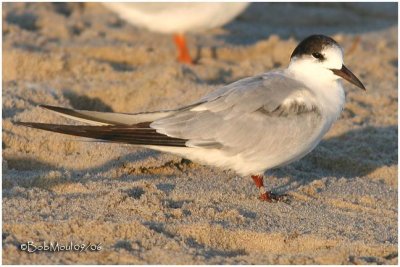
pixel 318 55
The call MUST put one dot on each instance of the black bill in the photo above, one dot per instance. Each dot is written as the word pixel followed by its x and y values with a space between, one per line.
pixel 346 74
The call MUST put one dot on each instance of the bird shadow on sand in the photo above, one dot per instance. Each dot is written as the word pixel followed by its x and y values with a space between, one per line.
pixel 79 101
pixel 306 19
pixel 36 171
pixel 353 154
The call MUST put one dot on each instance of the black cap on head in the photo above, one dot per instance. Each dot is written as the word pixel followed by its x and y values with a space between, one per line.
pixel 313 44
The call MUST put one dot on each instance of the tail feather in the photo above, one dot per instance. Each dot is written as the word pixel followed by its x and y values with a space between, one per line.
pixel 107 118
pixel 138 134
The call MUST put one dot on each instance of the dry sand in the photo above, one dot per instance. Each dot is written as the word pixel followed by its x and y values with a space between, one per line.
pixel 150 207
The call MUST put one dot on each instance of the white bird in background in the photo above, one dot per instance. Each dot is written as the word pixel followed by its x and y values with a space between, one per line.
pixel 177 18
pixel 250 126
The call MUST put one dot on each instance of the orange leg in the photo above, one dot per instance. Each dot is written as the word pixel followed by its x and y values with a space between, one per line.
pixel 264 194
pixel 184 56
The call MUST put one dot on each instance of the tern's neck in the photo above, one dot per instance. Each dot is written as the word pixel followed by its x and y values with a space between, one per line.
pixel 322 82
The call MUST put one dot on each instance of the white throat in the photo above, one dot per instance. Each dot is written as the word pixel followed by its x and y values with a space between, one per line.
pixel 326 86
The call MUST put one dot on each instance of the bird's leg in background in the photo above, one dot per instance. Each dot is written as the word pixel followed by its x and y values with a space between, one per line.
pixel 184 56
pixel 264 194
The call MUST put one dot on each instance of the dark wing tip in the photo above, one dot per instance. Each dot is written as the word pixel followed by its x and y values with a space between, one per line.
pixel 135 134
pixel 54 108
pixel 37 125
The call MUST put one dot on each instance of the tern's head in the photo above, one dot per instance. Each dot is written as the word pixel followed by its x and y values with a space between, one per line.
pixel 321 57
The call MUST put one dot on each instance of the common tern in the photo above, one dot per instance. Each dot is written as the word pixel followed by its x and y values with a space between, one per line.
pixel 249 126
pixel 177 18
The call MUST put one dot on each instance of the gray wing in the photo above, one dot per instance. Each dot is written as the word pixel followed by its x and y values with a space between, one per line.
pixel 243 113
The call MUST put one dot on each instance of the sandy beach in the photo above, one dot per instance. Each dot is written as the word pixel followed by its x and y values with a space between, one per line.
pixel 147 207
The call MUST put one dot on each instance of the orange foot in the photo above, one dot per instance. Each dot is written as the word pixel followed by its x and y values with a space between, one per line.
pixel 184 56
pixel 266 195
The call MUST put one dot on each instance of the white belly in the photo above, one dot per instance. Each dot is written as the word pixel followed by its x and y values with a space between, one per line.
pixel 177 17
